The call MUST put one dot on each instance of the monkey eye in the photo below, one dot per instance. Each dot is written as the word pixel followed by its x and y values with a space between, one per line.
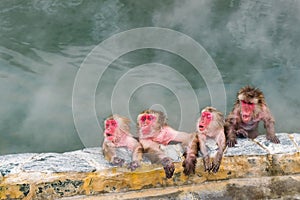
pixel 110 123
pixel 143 118
pixel 207 115
pixel 149 117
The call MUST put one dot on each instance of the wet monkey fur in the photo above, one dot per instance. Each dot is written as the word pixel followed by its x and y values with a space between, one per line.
pixel 116 135
pixel 154 131
pixel 210 125
pixel 249 109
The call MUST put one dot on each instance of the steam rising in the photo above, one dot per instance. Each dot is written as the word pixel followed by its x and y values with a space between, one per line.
pixel 43 44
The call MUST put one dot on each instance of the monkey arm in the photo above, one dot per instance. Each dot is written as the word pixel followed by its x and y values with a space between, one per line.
pixel 190 155
pixel 269 124
pixel 109 151
pixel 230 129
pixel 221 142
pixel 166 135
pixel 137 155
pixel 155 154
pixel 183 137
pixel 152 150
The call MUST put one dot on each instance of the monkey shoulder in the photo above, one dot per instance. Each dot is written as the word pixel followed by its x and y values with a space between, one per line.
pixel 128 142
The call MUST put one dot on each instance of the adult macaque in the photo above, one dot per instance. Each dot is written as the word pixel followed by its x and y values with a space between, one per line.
pixel 117 135
pixel 249 109
pixel 210 125
pixel 153 131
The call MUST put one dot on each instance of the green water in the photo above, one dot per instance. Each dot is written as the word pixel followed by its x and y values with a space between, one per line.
pixel 43 44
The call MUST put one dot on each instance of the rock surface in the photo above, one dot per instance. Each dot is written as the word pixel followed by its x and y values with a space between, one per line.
pixel 85 173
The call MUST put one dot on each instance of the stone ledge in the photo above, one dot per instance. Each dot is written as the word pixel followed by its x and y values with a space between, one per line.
pixel 275 187
pixel 86 172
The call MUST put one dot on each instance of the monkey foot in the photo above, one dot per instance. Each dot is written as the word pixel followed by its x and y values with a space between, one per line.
pixel 168 167
pixel 133 165
pixel 118 161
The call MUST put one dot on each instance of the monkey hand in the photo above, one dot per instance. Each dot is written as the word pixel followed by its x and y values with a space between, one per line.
pixel 189 165
pixel 168 167
pixel 231 142
pixel 242 132
pixel 133 165
pixel 118 161
pixel 207 164
pixel 273 139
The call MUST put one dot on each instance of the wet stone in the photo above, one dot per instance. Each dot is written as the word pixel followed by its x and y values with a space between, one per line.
pixel 245 146
pixel 10 164
pixel 285 146
pixel 174 151
pixel 125 154
pixel 211 146
pixel 54 162
pixel 94 156
pixel 8 169
pixel 297 139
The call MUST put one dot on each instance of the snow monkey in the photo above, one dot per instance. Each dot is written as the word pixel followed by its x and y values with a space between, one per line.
pixel 249 109
pixel 210 125
pixel 116 135
pixel 153 131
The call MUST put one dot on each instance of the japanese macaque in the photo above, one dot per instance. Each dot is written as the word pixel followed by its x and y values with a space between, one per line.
pixel 210 125
pixel 153 131
pixel 116 135
pixel 249 109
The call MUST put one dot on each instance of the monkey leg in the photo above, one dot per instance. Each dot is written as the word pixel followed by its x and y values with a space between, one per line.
pixel 168 166
pixel 189 164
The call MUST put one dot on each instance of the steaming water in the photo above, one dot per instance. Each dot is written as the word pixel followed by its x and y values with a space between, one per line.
pixel 44 42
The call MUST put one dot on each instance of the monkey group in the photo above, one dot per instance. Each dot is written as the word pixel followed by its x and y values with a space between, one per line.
pixel 153 131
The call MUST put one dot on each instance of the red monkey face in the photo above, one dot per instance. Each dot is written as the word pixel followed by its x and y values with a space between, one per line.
pixel 247 110
pixel 206 118
pixel 146 123
pixel 110 129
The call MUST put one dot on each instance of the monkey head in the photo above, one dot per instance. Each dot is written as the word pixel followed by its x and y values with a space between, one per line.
pixel 210 118
pixel 250 100
pixel 115 126
pixel 150 121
